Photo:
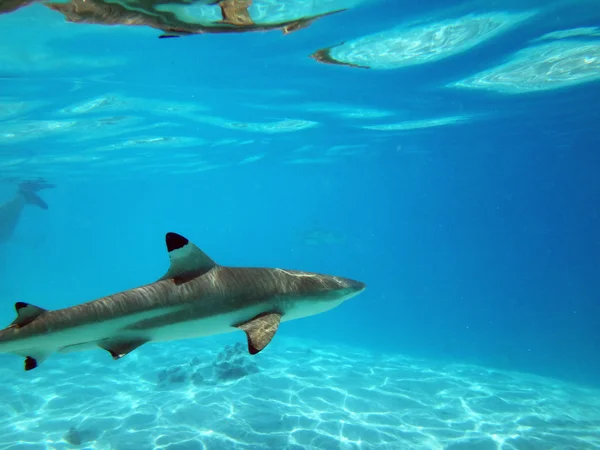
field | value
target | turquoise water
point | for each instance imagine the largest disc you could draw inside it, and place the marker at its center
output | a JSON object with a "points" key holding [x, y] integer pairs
{"points": [[444, 153]]}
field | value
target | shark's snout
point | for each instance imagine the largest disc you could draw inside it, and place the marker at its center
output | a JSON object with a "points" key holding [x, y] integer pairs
{"points": [[355, 286], [352, 287]]}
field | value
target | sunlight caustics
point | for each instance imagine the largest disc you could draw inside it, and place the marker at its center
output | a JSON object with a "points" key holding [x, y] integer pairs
{"points": [[119, 103], [573, 32], [12, 107], [419, 44], [280, 126], [17, 131], [418, 124], [311, 396], [346, 111], [121, 133], [157, 141], [103, 103], [337, 110], [544, 67]]}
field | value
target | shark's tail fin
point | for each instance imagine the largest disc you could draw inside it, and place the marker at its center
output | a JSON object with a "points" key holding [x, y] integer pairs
{"points": [[29, 189]]}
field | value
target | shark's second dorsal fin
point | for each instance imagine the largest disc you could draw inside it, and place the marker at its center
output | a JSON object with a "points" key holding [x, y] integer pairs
{"points": [[26, 314], [187, 260]]}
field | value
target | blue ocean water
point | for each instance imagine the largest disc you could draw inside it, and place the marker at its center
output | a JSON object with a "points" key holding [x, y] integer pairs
{"points": [[457, 177]]}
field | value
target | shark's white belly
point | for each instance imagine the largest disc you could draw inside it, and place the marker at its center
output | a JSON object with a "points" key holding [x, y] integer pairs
{"points": [[88, 336], [225, 323], [222, 323]]}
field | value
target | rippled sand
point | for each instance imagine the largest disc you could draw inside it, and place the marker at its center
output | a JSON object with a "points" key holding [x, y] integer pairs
{"points": [[305, 395]]}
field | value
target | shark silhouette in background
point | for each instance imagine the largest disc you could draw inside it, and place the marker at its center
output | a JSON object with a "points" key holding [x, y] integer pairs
{"points": [[10, 211], [318, 235]]}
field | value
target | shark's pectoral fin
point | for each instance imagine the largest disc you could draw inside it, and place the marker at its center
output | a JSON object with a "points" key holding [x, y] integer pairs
{"points": [[121, 347], [30, 363], [187, 260], [260, 330], [26, 314]]}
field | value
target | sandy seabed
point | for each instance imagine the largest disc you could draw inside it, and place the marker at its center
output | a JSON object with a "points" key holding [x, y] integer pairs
{"points": [[209, 394]]}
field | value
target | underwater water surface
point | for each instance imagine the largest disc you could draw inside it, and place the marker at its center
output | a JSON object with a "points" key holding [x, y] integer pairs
{"points": [[443, 153]]}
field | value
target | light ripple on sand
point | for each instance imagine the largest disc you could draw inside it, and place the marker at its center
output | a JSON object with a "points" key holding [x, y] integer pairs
{"points": [[303, 398]]}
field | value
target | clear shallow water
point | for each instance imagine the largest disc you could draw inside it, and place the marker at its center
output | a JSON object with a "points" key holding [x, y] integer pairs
{"points": [[457, 177]]}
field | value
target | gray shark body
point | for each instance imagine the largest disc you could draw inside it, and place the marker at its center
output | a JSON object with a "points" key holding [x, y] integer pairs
{"points": [[10, 213], [196, 297]]}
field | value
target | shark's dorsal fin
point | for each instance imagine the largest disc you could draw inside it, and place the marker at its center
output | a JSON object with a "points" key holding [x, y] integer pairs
{"points": [[26, 314], [187, 260], [260, 330]]}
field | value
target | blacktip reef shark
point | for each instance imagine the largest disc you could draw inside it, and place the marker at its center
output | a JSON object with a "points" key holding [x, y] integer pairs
{"points": [[10, 211], [196, 297]]}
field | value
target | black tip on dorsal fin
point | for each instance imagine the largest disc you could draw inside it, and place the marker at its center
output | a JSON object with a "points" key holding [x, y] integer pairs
{"points": [[30, 363], [26, 313], [187, 260], [175, 241]]}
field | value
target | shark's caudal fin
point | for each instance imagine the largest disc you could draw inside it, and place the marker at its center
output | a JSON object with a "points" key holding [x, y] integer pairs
{"points": [[187, 260], [33, 199], [27, 313], [29, 189], [260, 330]]}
